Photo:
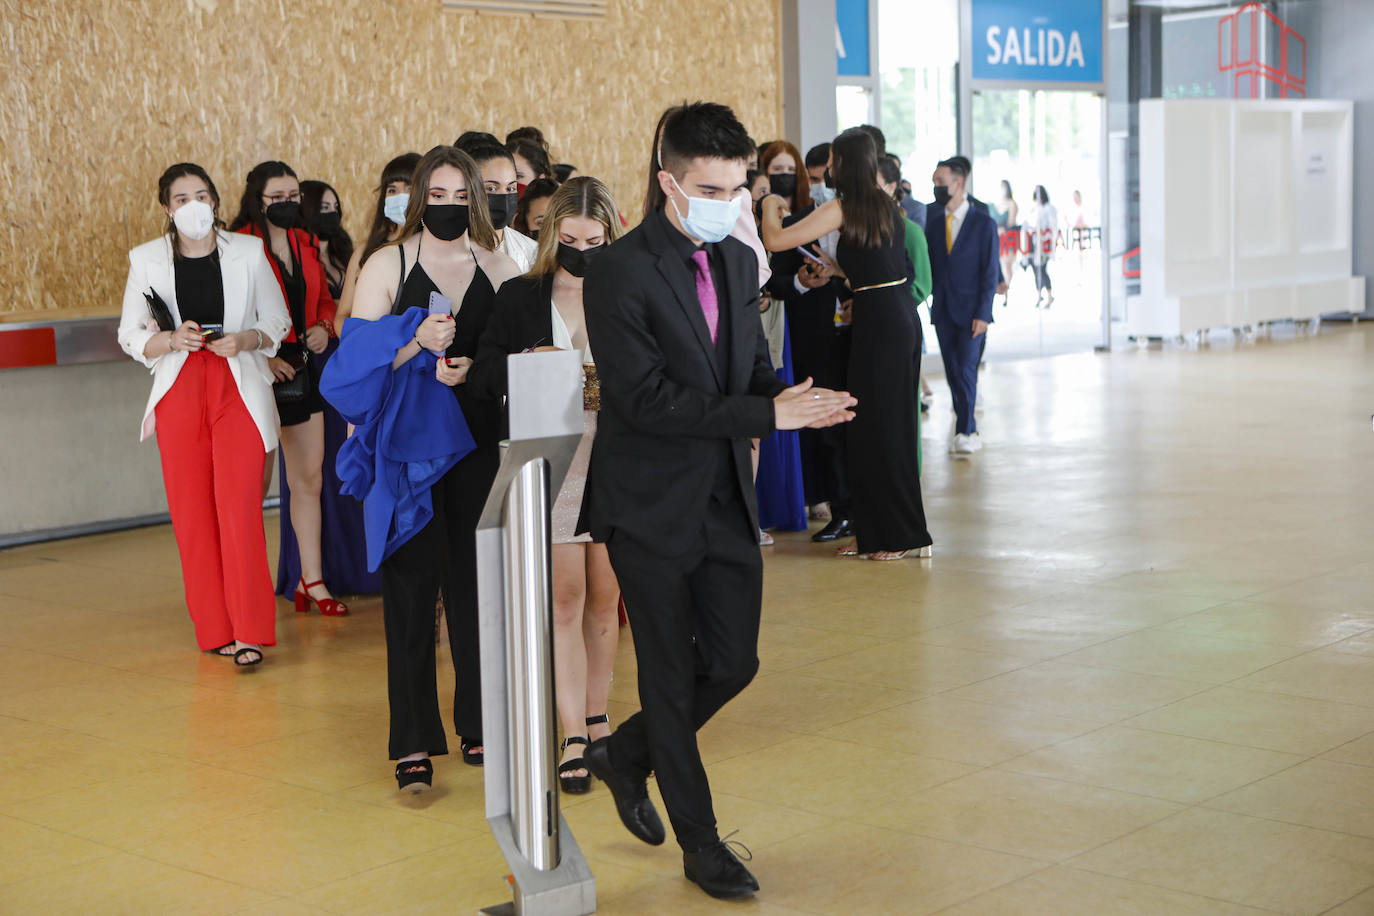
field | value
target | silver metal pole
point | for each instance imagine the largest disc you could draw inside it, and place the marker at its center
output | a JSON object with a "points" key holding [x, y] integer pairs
{"points": [[529, 622]]}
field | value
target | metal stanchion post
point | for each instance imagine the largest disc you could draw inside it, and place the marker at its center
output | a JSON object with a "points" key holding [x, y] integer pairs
{"points": [[549, 875]]}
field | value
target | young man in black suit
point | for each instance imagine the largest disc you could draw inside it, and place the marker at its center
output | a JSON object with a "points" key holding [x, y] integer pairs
{"points": [[672, 312]]}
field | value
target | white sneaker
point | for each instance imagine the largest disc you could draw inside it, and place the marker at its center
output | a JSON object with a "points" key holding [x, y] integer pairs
{"points": [[964, 446]]}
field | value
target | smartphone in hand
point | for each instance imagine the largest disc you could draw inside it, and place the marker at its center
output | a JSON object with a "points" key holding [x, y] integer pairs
{"points": [[209, 332], [439, 304]]}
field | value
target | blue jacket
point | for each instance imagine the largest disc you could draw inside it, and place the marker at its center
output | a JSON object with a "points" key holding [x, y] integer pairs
{"points": [[409, 429], [965, 279]]}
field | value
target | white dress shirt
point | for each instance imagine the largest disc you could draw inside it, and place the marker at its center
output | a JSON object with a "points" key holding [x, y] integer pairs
{"points": [[955, 224]]}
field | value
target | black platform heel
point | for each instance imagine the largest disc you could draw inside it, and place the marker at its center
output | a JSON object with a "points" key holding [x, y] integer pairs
{"points": [[414, 775], [574, 785]]}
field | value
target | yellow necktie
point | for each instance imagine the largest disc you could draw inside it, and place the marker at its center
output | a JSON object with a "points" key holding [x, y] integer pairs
{"points": [[949, 232]]}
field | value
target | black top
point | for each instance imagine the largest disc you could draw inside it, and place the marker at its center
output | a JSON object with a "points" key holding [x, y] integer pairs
{"points": [[293, 286], [872, 266], [200, 289], [482, 414], [521, 321]]}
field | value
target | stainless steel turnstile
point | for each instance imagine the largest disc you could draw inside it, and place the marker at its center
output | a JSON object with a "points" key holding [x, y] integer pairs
{"points": [[549, 876]]}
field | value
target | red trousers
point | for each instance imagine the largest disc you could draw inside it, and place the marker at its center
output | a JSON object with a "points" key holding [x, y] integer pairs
{"points": [[212, 461]]}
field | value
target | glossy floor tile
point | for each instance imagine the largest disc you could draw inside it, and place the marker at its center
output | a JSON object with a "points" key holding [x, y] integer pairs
{"points": [[1137, 678]]}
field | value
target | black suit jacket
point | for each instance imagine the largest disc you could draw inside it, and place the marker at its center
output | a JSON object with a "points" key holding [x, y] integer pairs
{"points": [[520, 320], [676, 417]]}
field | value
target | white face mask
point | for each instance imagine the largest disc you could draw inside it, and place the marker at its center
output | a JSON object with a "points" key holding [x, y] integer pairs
{"points": [[194, 219]]}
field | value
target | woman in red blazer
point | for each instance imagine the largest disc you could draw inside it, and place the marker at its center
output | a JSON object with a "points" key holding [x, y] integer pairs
{"points": [[271, 210]]}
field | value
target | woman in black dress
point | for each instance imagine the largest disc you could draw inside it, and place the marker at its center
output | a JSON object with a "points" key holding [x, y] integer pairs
{"points": [[446, 264], [885, 349]]}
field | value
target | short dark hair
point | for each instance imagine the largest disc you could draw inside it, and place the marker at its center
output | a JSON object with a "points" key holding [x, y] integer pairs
{"points": [[879, 140], [1041, 195], [468, 137], [702, 130], [482, 151], [562, 171], [964, 163], [818, 155], [956, 164], [888, 169]]}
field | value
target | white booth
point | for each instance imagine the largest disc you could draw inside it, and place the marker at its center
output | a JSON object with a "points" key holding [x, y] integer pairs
{"points": [[1245, 214]]}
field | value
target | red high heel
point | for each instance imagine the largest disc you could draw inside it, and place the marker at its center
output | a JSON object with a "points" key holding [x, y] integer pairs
{"points": [[329, 607]]}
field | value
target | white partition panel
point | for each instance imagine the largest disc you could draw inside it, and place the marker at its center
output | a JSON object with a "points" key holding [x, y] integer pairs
{"points": [[1246, 213]]}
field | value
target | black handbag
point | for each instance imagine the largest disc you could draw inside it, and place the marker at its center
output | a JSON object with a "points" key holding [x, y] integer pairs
{"points": [[297, 387]]}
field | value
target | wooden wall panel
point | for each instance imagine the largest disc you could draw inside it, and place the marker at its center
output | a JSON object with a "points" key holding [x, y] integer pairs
{"points": [[99, 96]]}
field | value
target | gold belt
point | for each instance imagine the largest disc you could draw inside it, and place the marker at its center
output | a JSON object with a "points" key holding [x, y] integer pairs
{"points": [[864, 289]]}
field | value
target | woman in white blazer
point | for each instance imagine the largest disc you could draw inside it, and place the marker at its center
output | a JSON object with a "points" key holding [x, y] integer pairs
{"points": [[211, 404]]}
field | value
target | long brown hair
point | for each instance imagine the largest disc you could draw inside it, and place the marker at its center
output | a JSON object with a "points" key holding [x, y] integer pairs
{"points": [[402, 168], [164, 196], [480, 229], [869, 214], [801, 198], [580, 196]]}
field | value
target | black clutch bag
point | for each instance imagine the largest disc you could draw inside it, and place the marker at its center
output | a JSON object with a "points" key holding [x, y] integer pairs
{"points": [[298, 386], [159, 310]]}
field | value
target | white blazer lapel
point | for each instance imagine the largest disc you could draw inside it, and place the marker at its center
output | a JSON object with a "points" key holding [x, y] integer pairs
{"points": [[237, 289], [162, 278]]}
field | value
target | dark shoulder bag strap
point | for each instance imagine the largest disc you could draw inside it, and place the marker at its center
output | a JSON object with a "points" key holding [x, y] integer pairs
{"points": [[400, 281]]}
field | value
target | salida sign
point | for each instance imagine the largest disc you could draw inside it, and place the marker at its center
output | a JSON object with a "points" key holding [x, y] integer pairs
{"points": [[1037, 40]]}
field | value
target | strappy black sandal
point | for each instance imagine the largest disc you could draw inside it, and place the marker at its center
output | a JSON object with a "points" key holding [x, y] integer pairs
{"points": [[574, 785], [603, 719], [248, 657], [414, 775], [471, 757], [225, 650]]}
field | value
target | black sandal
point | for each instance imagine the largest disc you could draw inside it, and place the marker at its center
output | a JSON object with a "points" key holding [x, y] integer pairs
{"points": [[225, 650], [470, 757], [244, 658], [574, 785], [414, 775], [603, 719]]}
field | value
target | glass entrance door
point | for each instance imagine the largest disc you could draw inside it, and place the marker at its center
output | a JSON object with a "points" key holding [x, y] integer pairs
{"points": [[1043, 145]]}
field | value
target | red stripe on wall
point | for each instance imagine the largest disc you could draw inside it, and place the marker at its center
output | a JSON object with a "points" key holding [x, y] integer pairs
{"points": [[27, 347]]}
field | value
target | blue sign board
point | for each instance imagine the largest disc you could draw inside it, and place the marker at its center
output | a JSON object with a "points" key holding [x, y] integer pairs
{"points": [[1040, 41], [851, 37]]}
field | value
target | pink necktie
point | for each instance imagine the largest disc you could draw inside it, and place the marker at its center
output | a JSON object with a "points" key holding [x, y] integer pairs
{"points": [[706, 292]]}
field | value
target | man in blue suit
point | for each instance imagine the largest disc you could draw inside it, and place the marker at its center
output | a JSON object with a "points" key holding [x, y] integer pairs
{"points": [[962, 238]]}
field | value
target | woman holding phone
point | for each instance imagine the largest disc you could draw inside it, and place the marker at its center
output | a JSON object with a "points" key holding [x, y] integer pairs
{"points": [[211, 404], [271, 210], [421, 305], [544, 310]]}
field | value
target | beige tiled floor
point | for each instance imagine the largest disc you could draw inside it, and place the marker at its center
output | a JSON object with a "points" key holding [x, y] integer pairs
{"points": [[1138, 678]]}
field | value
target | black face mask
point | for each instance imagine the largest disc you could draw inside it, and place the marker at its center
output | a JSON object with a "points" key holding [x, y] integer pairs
{"points": [[502, 208], [576, 260], [782, 185], [330, 222], [446, 222], [284, 213], [941, 194], [829, 182]]}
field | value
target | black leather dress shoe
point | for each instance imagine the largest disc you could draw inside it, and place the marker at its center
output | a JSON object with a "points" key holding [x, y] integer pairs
{"points": [[631, 795], [839, 527], [718, 872]]}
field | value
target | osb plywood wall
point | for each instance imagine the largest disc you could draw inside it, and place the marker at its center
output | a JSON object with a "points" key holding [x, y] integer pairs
{"points": [[101, 95]]}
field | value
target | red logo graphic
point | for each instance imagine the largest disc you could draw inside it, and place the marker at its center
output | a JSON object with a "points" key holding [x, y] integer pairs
{"points": [[1238, 49]]}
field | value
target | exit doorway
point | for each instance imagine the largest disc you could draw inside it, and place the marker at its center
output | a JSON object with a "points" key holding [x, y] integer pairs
{"points": [[1043, 147]]}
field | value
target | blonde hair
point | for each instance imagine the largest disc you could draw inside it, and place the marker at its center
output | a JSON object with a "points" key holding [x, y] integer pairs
{"points": [[480, 230], [580, 196]]}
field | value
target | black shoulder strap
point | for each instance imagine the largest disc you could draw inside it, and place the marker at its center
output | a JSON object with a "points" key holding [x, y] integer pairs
{"points": [[400, 281]]}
